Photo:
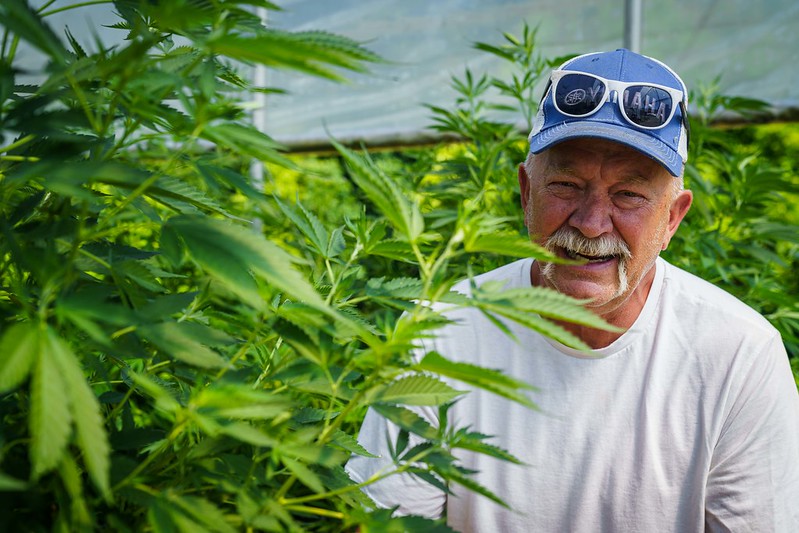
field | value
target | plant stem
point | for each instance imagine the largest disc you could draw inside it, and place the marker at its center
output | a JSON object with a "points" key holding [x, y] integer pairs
{"points": [[315, 511], [17, 143], [349, 488]]}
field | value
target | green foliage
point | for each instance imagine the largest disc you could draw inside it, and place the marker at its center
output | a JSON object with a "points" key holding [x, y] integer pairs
{"points": [[167, 367], [742, 232]]}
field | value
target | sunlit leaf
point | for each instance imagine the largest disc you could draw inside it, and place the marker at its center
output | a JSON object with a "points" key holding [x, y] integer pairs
{"points": [[484, 378], [416, 390], [19, 347], [311, 52], [384, 192], [506, 244], [89, 424], [50, 415], [246, 140]]}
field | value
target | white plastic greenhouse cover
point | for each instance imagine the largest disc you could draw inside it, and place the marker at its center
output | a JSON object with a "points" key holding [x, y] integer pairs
{"points": [[752, 46]]}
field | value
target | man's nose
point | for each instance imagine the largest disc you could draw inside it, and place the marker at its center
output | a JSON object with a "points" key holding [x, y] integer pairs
{"points": [[593, 217]]}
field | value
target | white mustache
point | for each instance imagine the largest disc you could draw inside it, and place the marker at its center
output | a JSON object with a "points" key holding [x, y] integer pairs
{"points": [[574, 241]]}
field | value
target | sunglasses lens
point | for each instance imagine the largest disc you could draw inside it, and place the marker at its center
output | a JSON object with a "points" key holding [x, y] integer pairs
{"points": [[646, 106], [578, 95]]}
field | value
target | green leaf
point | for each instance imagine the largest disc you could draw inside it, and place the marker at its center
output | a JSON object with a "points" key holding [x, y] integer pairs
{"points": [[336, 244], [476, 442], [175, 339], [50, 416], [164, 400], [230, 252], [245, 432], [20, 19], [202, 512], [246, 140], [89, 424], [472, 485], [393, 249], [161, 517], [415, 390], [384, 192], [484, 378], [11, 484], [528, 305], [308, 224], [381, 521], [304, 474], [350, 443], [407, 419], [310, 52], [506, 244], [234, 401], [71, 477], [19, 349]]}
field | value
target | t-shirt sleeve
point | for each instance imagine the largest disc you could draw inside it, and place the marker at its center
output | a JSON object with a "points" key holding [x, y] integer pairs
{"points": [[408, 493], [753, 483]]}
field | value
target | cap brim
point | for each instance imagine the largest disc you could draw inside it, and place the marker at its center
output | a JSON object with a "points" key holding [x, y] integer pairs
{"points": [[638, 140]]}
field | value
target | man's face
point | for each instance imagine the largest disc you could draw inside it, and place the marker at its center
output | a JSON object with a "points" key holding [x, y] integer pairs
{"points": [[599, 200]]}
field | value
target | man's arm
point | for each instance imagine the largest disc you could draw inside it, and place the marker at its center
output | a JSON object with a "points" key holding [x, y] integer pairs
{"points": [[753, 484], [410, 494]]}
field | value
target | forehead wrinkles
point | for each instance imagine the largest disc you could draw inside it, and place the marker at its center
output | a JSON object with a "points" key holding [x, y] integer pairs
{"points": [[628, 166]]}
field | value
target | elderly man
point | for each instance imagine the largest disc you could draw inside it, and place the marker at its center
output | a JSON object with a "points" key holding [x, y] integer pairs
{"points": [[685, 420]]}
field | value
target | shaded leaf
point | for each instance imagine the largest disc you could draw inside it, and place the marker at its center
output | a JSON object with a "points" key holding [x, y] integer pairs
{"points": [[202, 512], [407, 419], [350, 443], [20, 19], [304, 474], [176, 341], [11, 484], [230, 252]]}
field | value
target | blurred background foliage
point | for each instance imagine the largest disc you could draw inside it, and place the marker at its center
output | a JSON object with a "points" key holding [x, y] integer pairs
{"points": [[742, 232], [182, 351]]}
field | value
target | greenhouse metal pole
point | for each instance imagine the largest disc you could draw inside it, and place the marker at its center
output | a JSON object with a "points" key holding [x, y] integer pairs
{"points": [[259, 120], [632, 25]]}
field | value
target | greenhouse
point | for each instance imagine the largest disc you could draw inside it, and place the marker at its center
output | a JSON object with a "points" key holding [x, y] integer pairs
{"points": [[299, 265]]}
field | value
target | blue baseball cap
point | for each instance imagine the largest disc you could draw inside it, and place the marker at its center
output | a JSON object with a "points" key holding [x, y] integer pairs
{"points": [[620, 96]]}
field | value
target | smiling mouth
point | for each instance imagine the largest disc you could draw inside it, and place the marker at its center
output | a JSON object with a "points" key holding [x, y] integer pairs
{"points": [[590, 258]]}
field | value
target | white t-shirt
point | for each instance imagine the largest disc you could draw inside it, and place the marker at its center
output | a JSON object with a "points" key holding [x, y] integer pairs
{"points": [[690, 420]]}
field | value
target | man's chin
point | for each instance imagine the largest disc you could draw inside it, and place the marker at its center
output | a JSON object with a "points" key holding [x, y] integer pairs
{"points": [[584, 284]]}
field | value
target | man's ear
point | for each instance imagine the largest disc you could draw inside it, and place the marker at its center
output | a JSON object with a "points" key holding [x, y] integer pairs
{"points": [[677, 211], [524, 186]]}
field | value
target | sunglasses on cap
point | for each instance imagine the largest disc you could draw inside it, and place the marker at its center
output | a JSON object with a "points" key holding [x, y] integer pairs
{"points": [[644, 105]]}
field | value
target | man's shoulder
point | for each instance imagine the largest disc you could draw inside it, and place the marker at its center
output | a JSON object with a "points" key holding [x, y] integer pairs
{"points": [[700, 299]]}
